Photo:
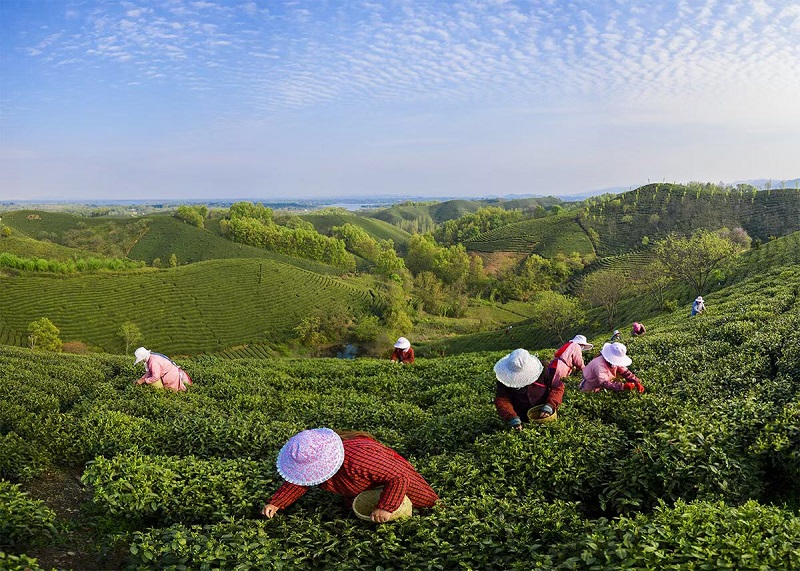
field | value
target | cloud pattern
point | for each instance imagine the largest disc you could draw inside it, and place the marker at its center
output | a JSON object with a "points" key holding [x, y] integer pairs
{"points": [[272, 57]]}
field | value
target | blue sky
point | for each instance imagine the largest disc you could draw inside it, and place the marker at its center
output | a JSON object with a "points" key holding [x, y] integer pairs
{"points": [[270, 99]]}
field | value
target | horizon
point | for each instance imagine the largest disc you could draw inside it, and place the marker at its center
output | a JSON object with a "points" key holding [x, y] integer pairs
{"points": [[199, 100]]}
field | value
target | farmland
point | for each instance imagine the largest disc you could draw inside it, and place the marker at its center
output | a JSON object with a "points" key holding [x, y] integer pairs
{"points": [[699, 472]]}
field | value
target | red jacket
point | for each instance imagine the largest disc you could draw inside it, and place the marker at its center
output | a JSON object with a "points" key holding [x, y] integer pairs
{"points": [[369, 464], [403, 355], [511, 403]]}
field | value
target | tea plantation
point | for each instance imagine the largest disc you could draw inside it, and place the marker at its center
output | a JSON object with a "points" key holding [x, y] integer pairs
{"points": [[699, 472]]}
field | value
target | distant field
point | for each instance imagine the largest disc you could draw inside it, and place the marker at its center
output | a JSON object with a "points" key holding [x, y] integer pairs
{"points": [[543, 236], [203, 307]]}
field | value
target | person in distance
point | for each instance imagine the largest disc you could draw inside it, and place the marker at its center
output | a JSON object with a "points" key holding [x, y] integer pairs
{"points": [[699, 306], [568, 358], [160, 371], [616, 336], [612, 363], [638, 329], [403, 352], [523, 383], [347, 463]]}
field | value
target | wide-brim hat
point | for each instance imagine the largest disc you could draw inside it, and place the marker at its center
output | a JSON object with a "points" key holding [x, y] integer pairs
{"points": [[310, 457], [699, 298], [141, 354], [402, 343], [616, 354], [581, 340], [518, 369]]}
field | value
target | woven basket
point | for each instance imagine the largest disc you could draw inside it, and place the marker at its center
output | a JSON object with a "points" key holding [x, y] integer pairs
{"points": [[533, 415], [366, 501]]}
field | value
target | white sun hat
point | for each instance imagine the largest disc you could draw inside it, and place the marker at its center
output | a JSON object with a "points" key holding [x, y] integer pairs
{"points": [[142, 354], [518, 369], [402, 343], [616, 354], [581, 340], [699, 298]]}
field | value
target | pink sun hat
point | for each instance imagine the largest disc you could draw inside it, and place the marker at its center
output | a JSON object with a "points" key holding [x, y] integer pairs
{"points": [[616, 354], [310, 457]]}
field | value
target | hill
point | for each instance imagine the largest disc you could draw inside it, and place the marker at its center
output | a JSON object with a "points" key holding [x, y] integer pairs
{"points": [[699, 471], [26, 247], [619, 224], [204, 307], [543, 236], [166, 235], [375, 227]]}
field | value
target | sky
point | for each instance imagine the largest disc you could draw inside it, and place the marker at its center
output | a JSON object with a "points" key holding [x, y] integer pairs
{"points": [[203, 99]]}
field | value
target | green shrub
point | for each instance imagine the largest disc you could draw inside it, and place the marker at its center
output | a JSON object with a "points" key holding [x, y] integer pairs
{"points": [[23, 520]]}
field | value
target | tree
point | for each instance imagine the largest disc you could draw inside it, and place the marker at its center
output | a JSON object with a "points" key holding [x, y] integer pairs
{"points": [[130, 334], [557, 313], [43, 334], [173, 260], [6, 231], [653, 279], [695, 260], [605, 288]]}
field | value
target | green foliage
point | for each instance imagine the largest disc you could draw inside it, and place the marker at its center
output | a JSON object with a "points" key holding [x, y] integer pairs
{"points": [[9, 562], [605, 288], [543, 236], [130, 334], [472, 225], [66, 267], [23, 520], [192, 215], [694, 260], [558, 314], [6, 231], [43, 334]]}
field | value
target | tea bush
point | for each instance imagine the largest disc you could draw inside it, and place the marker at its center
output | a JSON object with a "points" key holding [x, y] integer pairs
{"points": [[23, 519]]}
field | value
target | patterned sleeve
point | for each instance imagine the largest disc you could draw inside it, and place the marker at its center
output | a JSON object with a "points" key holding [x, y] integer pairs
{"points": [[627, 375], [287, 494]]}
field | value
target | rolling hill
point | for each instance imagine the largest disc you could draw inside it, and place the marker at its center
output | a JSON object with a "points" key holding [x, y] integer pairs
{"points": [[375, 227], [203, 307]]}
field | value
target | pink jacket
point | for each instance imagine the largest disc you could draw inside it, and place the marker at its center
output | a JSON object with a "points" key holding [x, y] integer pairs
{"points": [[161, 368], [600, 374], [571, 358]]}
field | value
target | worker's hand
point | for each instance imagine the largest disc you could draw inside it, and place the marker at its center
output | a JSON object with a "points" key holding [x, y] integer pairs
{"points": [[517, 428], [516, 423], [380, 516], [628, 386], [269, 510], [640, 387], [140, 381], [546, 411]]}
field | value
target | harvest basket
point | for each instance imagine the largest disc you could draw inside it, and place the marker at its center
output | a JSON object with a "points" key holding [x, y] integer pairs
{"points": [[366, 501], [533, 415]]}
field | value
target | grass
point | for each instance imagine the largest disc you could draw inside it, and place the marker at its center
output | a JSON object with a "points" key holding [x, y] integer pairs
{"points": [[378, 229], [26, 247]]}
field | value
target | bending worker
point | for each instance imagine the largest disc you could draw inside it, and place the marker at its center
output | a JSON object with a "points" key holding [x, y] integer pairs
{"points": [[347, 463], [568, 358], [403, 351], [612, 363], [161, 369], [522, 383]]}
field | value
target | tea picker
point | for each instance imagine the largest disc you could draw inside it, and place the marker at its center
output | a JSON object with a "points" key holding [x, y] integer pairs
{"points": [[161, 371], [603, 371], [523, 384], [349, 463]]}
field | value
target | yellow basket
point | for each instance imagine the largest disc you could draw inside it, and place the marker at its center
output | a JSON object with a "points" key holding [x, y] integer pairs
{"points": [[533, 415], [366, 501]]}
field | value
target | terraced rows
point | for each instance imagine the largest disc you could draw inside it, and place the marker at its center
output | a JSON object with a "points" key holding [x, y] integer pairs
{"points": [[543, 236], [204, 307]]}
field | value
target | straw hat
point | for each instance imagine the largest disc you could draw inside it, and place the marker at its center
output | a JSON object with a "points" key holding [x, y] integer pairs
{"points": [[365, 503], [581, 340], [699, 298], [402, 343], [141, 354], [310, 457], [616, 354], [518, 369]]}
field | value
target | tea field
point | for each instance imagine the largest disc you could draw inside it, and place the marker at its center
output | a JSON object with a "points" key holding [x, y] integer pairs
{"points": [[699, 472]]}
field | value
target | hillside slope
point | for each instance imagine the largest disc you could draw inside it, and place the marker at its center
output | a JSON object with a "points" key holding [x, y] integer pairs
{"points": [[204, 307], [375, 227]]}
